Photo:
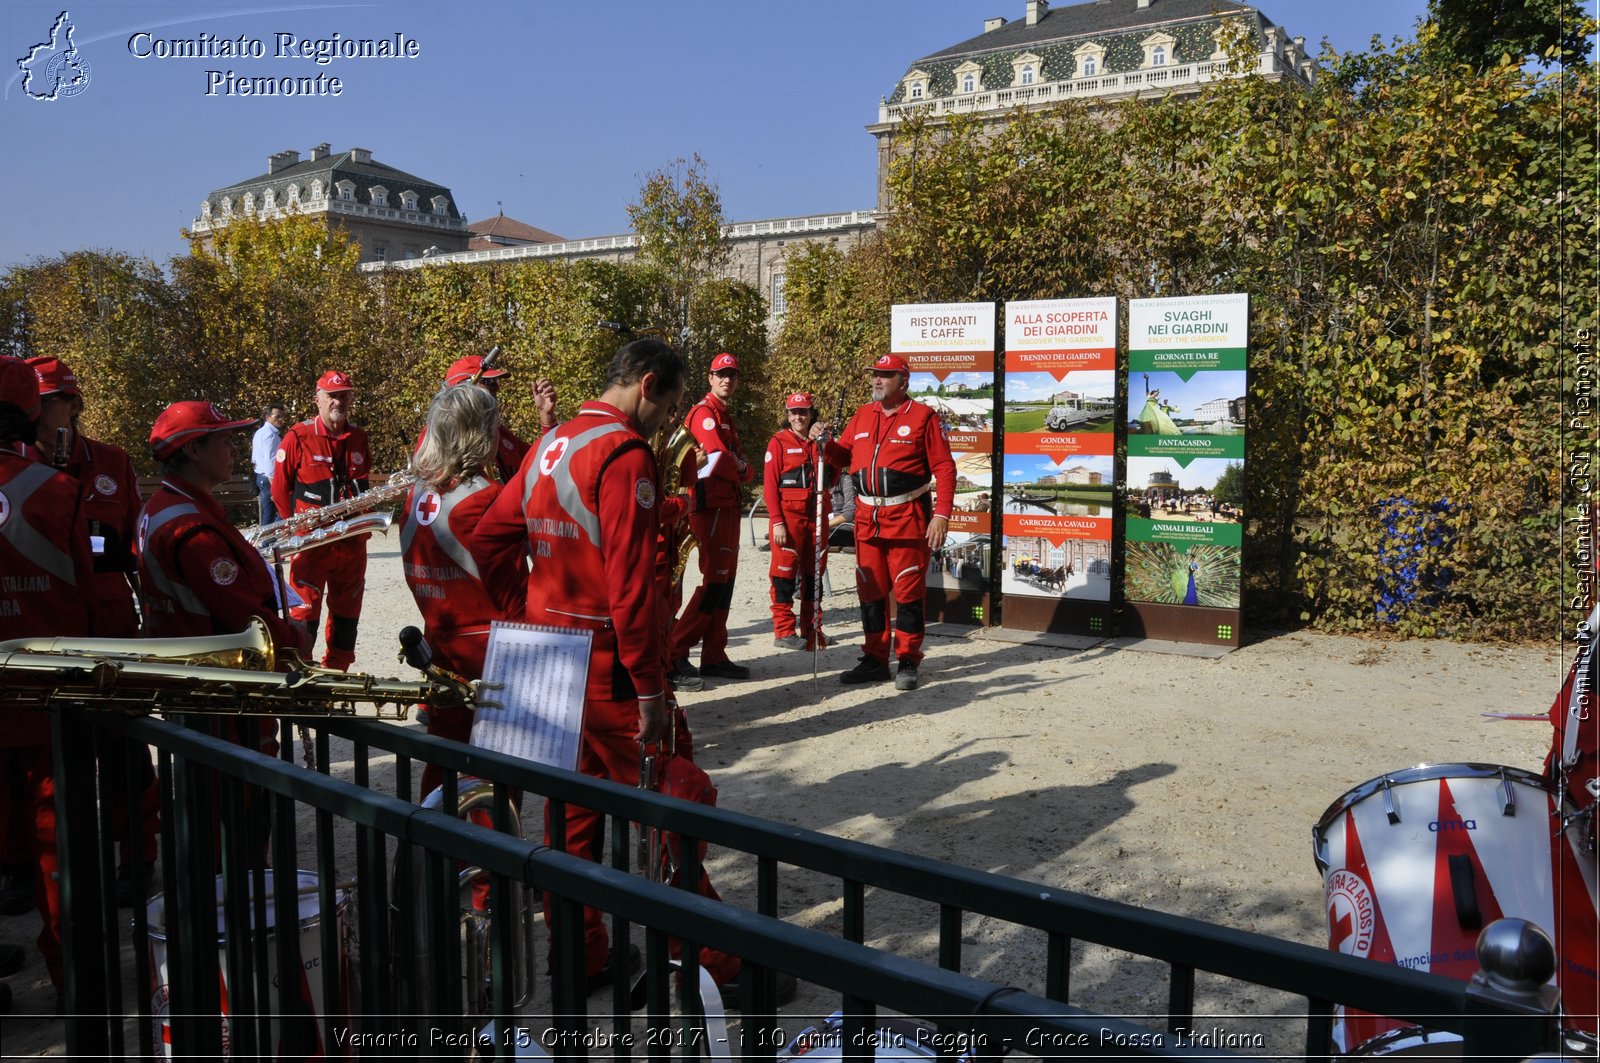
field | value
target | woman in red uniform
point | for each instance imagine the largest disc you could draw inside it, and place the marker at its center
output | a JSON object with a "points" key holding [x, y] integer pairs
{"points": [[790, 490], [452, 492]]}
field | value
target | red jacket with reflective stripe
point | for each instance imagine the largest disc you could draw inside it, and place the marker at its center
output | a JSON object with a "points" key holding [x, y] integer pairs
{"points": [[197, 573], [44, 571], [435, 546], [110, 506], [717, 483], [791, 467], [317, 466], [890, 449], [585, 503]]}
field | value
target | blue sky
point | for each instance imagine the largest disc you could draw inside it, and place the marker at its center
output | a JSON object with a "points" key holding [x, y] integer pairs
{"points": [[553, 109], [1187, 395], [1038, 387]]}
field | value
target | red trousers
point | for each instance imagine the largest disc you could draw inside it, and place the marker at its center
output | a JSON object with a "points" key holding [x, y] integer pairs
{"points": [[611, 751], [339, 573], [793, 570], [900, 566], [36, 812], [704, 622]]}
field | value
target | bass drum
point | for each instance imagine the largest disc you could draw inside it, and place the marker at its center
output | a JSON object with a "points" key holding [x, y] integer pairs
{"points": [[1415, 863], [474, 802]]}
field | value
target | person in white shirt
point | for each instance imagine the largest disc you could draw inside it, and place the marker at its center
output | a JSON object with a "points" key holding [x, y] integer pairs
{"points": [[263, 449]]}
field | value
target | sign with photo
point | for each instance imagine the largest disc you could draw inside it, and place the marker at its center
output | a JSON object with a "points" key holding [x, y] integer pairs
{"points": [[1059, 467], [1185, 418], [950, 348]]}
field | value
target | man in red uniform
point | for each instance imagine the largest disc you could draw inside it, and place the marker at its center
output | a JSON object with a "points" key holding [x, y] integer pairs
{"points": [[790, 490], [452, 492], [510, 449], [585, 505], [110, 506], [321, 461], [899, 452], [46, 591], [715, 523]]}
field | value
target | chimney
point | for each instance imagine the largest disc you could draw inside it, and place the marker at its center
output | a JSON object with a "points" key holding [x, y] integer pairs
{"points": [[990, 24], [1036, 11], [321, 151], [360, 155], [282, 160]]}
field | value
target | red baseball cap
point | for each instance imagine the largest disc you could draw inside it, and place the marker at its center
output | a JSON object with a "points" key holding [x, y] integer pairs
{"points": [[462, 369], [799, 401], [333, 380], [724, 361], [183, 421], [19, 385], [890, 363], [54, 376]]}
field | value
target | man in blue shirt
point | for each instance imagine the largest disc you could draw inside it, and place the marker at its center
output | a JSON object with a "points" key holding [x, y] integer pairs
{"points": [[263, 449]]}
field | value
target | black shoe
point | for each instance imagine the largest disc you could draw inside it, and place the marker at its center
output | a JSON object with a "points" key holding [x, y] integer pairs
{"points": [[687, 684], [16, 892], [684, 667], [12, 959], [602, 978], [867, 670], [787, 986], [724, 670], [906, 677]]}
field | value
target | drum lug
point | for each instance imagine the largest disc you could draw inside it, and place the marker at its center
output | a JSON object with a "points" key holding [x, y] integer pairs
{"points": [[1508, 799], [1390, 809]]}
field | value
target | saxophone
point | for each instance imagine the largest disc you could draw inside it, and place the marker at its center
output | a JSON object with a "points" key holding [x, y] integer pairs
{"points": [[673, 457], [361, 515], [226, 674]]}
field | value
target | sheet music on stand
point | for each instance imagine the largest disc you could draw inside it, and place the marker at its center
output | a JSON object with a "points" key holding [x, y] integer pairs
{"points": [[536, 713]]}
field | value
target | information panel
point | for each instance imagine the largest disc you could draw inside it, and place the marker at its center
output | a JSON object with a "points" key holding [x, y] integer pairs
{"points": [[1059, 464], [950, 348], [1186, 424]]}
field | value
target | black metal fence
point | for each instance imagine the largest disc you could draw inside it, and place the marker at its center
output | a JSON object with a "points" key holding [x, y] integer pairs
{"points": [[391, 969]]}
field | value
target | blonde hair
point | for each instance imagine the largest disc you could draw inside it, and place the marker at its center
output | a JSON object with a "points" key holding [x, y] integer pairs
{"points": [[463, 430]]}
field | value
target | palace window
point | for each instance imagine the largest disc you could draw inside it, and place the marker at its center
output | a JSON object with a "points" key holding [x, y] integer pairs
{"points": [[1025, 69], [969, 83], [1091, 59], [379, 195], [1027, 75], [249, 202], [1158, 49], [969, 76], [316, 191], [916, 90], [347, 191], [441, 205], [408, 200], [269, 200], [294, 195], [778, 305]]}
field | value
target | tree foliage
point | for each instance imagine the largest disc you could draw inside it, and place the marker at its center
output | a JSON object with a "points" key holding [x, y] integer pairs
{"points": [[1482, 33]]}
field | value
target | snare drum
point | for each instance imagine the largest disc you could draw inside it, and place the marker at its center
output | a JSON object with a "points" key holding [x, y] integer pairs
{"points": [[1415, 863], [310, 933]]}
